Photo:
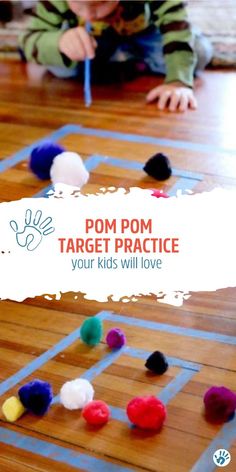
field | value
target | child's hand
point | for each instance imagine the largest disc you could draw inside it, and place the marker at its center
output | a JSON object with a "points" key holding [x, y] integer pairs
{"points": [[77, 44], [174, 96]]}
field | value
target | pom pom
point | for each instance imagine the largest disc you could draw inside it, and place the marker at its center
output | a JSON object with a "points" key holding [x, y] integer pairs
{"points": [[115, 338], [157, 363], [76, 394], [220, 404], [68, 168], [91, 331], [159, 194], [36, 396], [13, 409], [42, 157], [158, 166], [96, 413], [146, 412]]}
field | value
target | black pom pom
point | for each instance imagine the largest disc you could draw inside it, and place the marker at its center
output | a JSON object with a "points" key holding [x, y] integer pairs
{"points": [[158, 166], [157, 363]]}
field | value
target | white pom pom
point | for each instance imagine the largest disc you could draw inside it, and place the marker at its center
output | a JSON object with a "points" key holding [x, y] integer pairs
{"points": [[68, 168], [76, 394]]}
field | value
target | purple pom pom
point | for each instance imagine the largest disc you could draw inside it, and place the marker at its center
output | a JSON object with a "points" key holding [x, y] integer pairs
{"points": [[42, 157], [36, 396], [220, 404], [115, 338]]}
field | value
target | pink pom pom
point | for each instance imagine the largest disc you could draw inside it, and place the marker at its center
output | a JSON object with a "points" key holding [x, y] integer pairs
{"points": [[159, 194], [115, 338], [220, 404]]}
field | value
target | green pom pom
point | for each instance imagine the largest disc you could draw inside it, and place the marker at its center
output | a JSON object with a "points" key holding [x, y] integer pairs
{"points": [[91, 331]]}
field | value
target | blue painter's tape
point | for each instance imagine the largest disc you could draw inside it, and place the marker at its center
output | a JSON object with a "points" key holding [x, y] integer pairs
{"points": [[166, 394], [182, 184], [24, 153], [44, 192], [39, 361], [98, 368], [76, 129], [194, 333], [101, 315], [172, 361], [185, 183], [58, 453], [68, 129], [175, 386], [135, 165], [103, 364], [223, 440], [187, 174], [124, 164], [135, 138], [118, 414], [93, 161]]}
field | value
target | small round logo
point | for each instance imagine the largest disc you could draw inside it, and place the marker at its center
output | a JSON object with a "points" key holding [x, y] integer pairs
{"points": [[221, 457]]}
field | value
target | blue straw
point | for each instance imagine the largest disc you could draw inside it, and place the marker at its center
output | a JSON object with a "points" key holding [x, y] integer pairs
{"points": [[87, 78]]}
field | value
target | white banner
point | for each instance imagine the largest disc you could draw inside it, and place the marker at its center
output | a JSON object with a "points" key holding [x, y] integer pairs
{"points": [[117, 244]]}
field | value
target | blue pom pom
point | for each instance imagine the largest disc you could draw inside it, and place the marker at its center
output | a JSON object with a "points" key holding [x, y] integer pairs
{"points": [[36, 396], [42, 157]]}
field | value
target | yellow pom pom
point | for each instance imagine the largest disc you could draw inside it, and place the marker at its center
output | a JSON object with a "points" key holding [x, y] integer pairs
{"points": [[13, 409]]}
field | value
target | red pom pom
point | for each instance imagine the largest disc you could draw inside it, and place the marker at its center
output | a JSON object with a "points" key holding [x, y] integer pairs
{"points": [[96, 413], [146, 412]]}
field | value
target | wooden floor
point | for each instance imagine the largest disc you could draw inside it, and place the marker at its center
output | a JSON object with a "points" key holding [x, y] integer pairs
{"points": [[30, 109]]}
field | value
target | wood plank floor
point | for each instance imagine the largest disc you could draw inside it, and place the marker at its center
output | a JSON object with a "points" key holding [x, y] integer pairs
{"points": [[30, 109]]}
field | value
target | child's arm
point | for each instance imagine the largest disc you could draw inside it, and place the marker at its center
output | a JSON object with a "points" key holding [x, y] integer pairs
{"points": [[45, 41], [171, 17]]}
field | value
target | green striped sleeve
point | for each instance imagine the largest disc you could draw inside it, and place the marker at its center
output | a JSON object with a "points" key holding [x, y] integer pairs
{"points": [[164, 6], [184, 36], [178, 41], [172, 16], [180, 67], [40, 41]]}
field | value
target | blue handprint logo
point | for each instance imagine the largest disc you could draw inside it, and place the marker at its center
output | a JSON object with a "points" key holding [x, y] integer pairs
{"points": [[221, 457], [35, 227]]}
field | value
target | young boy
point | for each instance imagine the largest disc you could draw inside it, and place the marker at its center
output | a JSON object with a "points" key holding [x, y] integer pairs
{"points": [[154, 32]]}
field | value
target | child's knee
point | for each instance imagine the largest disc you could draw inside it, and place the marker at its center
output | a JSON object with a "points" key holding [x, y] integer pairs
{"points": [[204, 51], [63, 72]]}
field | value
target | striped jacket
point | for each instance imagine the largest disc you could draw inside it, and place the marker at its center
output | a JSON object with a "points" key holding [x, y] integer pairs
{"points": [[40, 41]]}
